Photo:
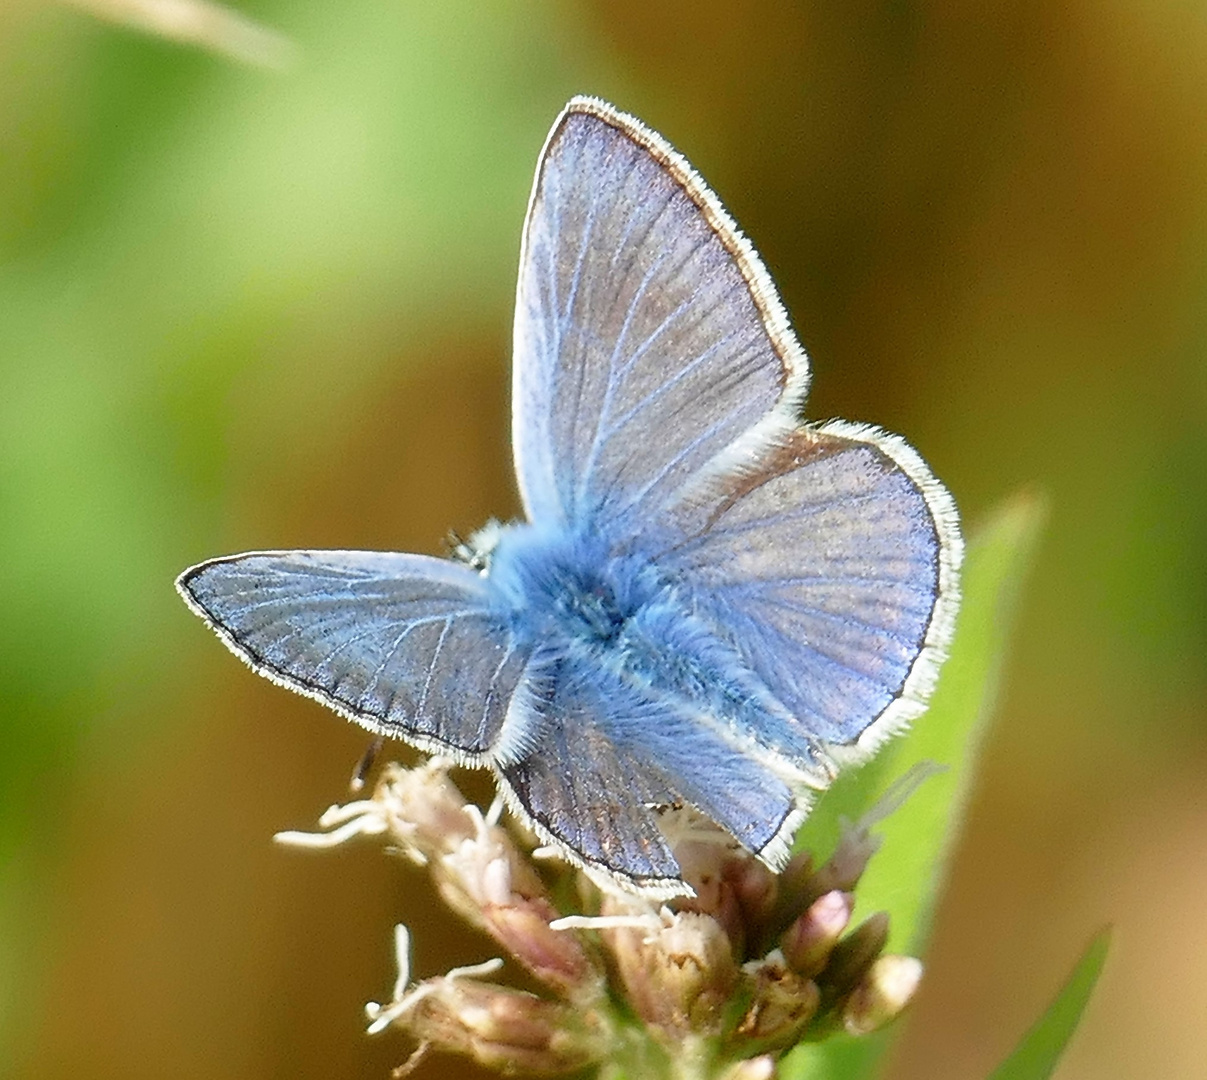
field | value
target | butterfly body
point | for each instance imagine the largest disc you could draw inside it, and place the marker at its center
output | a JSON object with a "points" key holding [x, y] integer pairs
{"points": [[575, 603], [711, 603], [567, 586]]}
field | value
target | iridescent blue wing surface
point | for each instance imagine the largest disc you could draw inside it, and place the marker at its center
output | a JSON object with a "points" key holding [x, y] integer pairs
{"points": [[600, 757], [405, 645], [828, 557], [648, 336]]}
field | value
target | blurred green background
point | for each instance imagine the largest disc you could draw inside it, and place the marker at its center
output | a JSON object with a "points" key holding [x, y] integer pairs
{"points": [[247, 309]]}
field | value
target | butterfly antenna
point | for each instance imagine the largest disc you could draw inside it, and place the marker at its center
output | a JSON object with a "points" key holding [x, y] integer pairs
{"points": [[366, 763]]}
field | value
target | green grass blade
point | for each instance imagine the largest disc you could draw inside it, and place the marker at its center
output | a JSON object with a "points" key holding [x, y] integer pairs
{"points": [[1036, 1056], [908, 872]]}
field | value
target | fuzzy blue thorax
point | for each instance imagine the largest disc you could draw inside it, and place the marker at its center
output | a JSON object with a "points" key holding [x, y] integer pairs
{"points": [[565, 594], [565, 590]]}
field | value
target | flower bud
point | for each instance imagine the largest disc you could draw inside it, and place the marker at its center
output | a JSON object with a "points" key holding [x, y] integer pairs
{"points": [[557, 957], [702, 866], [756, 1068], [679, 976], [846, 865], [492, 885], [426, 813], [853, 956], [728, 882], [502, 1028], [793, 894], [888, 986], [757, 892], [782, 1004], [796, 873], [808, 942]]}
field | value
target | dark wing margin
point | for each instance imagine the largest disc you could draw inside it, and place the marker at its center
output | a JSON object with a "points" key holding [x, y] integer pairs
{"points": [[405, 645], [830, 557], [648, 335]]}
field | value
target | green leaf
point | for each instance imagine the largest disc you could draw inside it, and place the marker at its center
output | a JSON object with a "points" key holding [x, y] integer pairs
{"points": [[907, 874], [1036, 1056]]}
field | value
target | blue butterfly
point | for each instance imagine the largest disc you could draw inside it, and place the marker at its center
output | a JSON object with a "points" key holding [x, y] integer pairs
{"points": [[712, 604]]}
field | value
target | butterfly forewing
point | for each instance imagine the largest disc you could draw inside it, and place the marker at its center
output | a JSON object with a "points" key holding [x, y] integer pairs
{"points": [[647, 335], [405, 644]]}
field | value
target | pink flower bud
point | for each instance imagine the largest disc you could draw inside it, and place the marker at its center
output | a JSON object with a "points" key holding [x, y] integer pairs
{"points": [[502, 1028], [808, 942]]}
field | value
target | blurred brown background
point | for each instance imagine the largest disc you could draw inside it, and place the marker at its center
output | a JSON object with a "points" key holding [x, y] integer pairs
{"points": [[245, 309]]}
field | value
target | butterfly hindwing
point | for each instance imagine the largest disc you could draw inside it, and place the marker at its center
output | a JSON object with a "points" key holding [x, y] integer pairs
{"points": [[603, 756], [406, 645], [829, 560]]}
